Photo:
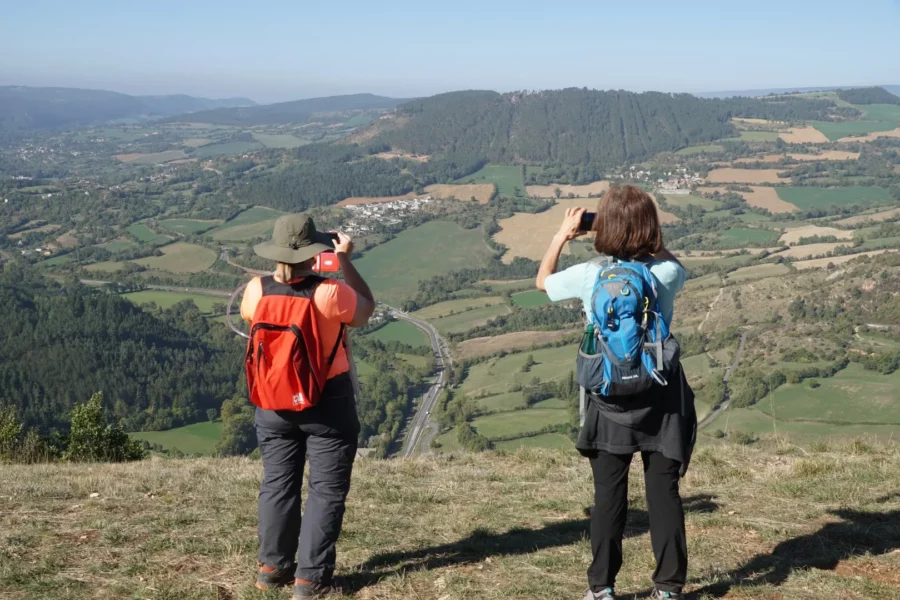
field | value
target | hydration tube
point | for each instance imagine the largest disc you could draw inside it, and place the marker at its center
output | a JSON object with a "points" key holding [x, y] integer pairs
{"points": [[347, 346]]}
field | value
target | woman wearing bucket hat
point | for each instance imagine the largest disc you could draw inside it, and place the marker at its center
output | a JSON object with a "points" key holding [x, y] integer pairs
{"points": [[319, 421]]}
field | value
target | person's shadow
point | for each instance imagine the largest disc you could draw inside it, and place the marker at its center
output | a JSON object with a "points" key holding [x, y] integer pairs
{"points": [[859, 533], [481, 544]]}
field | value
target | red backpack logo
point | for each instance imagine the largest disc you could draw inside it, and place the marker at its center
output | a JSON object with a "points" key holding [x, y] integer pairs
{"points": [[286, 369]]}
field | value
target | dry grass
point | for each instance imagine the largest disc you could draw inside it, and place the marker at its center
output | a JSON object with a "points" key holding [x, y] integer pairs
{"points": [[511, 342], [67, 240], [196, 142], [528, 235], [795, 234], [885, 215], [769, 520], [810, 250], [580, 191], [821, 263], [827, 155], [803, 135], [729, 175], [761, 196], [396, 154], [482, 192], [871, 137]]}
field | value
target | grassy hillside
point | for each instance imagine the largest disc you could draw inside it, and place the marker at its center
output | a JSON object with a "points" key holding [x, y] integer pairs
{"points": [[769, 520]]}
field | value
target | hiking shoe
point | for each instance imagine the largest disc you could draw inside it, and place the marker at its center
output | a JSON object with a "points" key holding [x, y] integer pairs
{"points": [[310, 589], [658, 595], [270, 578], [606, 594]]}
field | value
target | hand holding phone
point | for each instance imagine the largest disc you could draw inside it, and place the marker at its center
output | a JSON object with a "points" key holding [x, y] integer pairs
{"points": [[587, 222]]}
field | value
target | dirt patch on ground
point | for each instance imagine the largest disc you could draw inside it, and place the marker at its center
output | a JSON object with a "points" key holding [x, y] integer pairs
{"points": [[810, 250], [722, 253], [392, 154], [820, 263], [885, 215], [480, 191], [761, 196], [828, 155], [42, 229], [767, 197], [803, 135], [67, 240], [894, 133], [196, 142], [529, 235], [596, 188], [729, 175], [128, 157], [520, 340], [794, 234]]}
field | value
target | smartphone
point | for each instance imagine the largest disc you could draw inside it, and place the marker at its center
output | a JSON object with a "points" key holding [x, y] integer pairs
{"points": [[587, 221], [327, 262], [334, 237]]}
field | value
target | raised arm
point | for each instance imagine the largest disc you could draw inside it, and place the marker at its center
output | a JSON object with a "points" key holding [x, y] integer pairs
{"points": [[567, 231], [365, 301]]}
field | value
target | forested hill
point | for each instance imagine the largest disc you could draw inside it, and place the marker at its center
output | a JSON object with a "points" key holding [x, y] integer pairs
{"points": [[61, 344], [870, 95], [574, 126], [297, 111], [23, 108]]}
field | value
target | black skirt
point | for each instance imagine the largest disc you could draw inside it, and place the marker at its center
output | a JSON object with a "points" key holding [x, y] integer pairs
{"points": [[662, 419]]}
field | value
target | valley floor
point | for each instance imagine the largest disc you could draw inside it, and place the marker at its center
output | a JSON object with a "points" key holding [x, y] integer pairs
{"points": [[765, 521]]}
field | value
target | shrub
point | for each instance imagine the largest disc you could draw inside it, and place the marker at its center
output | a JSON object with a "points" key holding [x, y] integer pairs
{"points": [[92, 439]]}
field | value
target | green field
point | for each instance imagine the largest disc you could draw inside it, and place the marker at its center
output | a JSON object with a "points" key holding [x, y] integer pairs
{"points": [[740, 237], [254, 222], [466, 320], [358, 121], [530, 299], [502, 402], [145, 235], [498, 375], [58, 260], [118, 245], [199, 438], [877, 117], [521, 284], [683, 200], [181, 257], [163, 299], [757, 272], [106, 266], [452, 307], [394, 269], [752, 420], [702, 149], [507, 179], [270, 140], [814, 197], [187, 226], [401, 331], [519, 421], [213, 150]]}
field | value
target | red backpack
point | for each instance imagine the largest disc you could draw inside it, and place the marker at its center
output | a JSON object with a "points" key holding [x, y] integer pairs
{"points": [[286, 369]]}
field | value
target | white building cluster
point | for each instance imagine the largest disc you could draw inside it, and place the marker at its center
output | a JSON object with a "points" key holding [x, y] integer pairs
{"points": [[365, 216]]}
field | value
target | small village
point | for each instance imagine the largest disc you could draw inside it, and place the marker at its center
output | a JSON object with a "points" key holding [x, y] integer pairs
{"points": [[366, 216]]}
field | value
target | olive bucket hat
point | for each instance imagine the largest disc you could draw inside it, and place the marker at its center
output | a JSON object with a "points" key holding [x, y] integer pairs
{"points": [[294, 240]]}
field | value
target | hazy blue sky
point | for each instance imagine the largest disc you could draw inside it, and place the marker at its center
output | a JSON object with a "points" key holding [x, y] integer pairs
{"points": [[281, 50]]}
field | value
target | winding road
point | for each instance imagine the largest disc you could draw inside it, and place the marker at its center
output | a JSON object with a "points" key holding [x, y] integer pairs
{"points": [[725, 400]]}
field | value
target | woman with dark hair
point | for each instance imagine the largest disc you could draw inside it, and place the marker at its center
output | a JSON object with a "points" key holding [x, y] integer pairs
{"points": [[660, 422], [292, 309]]}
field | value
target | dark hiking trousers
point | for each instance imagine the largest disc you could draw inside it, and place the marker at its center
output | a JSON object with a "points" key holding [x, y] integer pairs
{"points": [[666, 519], [326, 434]]}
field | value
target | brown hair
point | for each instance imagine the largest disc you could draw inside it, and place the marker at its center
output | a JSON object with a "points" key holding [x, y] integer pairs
{"points": [[627, 224]]}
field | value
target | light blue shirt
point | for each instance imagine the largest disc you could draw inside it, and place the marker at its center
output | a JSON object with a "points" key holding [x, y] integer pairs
{"points": [[578, 282]]}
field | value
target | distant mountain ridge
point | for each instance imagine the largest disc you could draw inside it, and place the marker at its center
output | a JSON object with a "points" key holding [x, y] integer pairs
{"points": [[23, 108], [295, 110], [894, 89]]}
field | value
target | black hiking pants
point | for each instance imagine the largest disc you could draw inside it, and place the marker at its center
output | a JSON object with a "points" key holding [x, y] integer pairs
{"points": [[326, 434], [666, 519]]}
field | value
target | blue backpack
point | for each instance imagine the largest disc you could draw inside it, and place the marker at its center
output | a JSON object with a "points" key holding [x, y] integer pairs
{"points": [[627, 347]]}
